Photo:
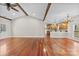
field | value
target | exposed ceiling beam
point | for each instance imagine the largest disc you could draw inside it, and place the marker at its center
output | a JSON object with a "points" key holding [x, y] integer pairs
{"points": [[47, 9], [22, 9], [5, 18]]}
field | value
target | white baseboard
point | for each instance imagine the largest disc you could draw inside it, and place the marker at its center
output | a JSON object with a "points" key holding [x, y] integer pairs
{"points": [[22, 37], [58, 37], [5, 37], [76, 38], [30, 36]]}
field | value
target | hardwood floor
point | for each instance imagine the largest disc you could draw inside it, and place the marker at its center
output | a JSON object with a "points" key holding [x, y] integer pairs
{"points": [[38, 47]]}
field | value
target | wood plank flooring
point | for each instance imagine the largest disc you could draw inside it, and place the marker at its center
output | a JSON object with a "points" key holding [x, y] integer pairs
{"points": [[38, 47]]}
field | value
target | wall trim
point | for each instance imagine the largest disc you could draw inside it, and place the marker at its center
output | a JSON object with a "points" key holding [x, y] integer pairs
{"points": [[5, 37], [22, 37], [29, 36]]}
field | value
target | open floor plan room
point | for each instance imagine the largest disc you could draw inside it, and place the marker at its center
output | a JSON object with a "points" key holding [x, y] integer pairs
{"points": [[39, 29]]}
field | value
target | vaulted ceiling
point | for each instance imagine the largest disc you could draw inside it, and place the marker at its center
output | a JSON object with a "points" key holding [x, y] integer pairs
{"points": [[56, 12], [59, 11], [33, 9]]}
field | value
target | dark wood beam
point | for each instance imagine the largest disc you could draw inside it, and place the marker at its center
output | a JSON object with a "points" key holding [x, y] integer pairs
{"points": [[5, 18], [22, 9], [47, 9]]}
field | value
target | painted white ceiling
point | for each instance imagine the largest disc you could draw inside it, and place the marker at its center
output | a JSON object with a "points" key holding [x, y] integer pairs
{"points": [[57, 11], [10, 14], [33, 9]]}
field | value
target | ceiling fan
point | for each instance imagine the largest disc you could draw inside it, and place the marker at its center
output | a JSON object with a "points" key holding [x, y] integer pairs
{"points": [[10, 6]]}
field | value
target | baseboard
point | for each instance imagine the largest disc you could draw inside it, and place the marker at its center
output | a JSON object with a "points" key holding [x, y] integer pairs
{"points": [[21, 37], [76, 39], [5, 37], [30, 36], [58, 37]]}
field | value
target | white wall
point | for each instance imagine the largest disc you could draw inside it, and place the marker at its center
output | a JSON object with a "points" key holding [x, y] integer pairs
{"points": [[28, 26], [59, 34], [6, 33]]}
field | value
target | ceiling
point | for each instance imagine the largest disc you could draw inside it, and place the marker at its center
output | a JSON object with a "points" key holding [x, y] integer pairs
{"points": [[59, 11], [33, 9], [56, 13]]}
